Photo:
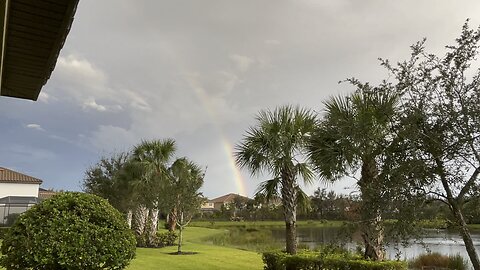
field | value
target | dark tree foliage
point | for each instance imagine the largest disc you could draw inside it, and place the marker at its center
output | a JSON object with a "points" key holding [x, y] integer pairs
{"points": [[436, 153], [105, 179], [352, 138]]}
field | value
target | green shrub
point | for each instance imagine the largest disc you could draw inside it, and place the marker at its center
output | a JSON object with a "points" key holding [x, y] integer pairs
{"points": [[166, 239], [69, 231], [325, 261], [162, 239], [438, 260], [3, 231]]}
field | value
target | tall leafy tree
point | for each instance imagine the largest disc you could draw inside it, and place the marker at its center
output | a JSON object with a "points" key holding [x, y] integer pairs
{"points": [[351, 138], [105, 180], [276, 145], [438, 142], [181, 193]]}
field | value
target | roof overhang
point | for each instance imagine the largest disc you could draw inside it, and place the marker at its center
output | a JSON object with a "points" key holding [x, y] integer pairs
{"points": [[32, 34]]}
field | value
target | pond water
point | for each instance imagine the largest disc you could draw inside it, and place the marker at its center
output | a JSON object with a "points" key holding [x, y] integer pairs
{"points": [[441, 241]]}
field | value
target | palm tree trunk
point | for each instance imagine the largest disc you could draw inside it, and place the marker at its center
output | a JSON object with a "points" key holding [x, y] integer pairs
{"points": [[152, 226], [129, 218], [141, 215], [289, 200], [373, 235], [172, 220], [372, 228]]}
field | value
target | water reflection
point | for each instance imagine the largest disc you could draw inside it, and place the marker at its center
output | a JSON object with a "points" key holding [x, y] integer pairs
{"points": [[441, 241]]}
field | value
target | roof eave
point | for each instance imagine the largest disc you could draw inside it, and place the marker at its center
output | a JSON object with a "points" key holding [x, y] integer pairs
{"points": [[36, 63]]}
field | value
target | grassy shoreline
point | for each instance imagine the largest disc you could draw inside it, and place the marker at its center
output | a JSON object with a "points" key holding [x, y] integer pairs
{"points": [[268, 223]]}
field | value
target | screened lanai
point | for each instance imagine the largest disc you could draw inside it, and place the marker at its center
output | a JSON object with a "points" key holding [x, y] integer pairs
{"points": [[12, 206]]}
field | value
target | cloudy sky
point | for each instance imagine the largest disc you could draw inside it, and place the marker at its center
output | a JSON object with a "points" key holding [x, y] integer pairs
{"points": [[198, 71]]}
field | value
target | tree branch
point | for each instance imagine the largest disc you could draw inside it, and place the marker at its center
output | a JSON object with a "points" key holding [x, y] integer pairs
{"points": [[469, 183]]}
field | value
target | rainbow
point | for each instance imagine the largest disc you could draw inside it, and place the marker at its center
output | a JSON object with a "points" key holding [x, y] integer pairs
{"points": [[227, 146]]}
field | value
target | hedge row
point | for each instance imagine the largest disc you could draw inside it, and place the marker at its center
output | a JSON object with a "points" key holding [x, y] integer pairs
{"points": [[310, 260]]}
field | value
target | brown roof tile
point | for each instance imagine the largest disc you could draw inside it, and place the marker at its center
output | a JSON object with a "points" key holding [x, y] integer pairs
{"points": [[226, 198], [9, 176]]}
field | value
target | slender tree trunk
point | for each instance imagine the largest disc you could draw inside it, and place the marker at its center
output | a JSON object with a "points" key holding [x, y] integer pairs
{"points": [[456, 209], [172, 220], [180, 235], [129, 218], [467, 239], [465, 233], [372, 229], [289, 200]]}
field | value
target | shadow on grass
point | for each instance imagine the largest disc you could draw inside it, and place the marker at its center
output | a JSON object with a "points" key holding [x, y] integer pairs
{"points": [[183, 253]]}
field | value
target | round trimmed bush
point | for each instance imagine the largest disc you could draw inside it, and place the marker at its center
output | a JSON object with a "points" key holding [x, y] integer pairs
{"points": [[69, 231]]}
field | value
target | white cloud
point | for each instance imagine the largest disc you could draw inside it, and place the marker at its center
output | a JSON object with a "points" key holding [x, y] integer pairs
{"points": [[79, 80], [44, 97], [92, 104], [242, 63], [79, 70], [35, 126]]}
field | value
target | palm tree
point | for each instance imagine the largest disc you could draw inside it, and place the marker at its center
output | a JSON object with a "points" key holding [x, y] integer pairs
{"points": [[152, 158], [353, 136], [276, 146]]}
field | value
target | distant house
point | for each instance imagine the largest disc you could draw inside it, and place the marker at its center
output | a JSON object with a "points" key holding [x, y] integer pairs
{"points": [[18, 192], [225, 200], [45, 193]]}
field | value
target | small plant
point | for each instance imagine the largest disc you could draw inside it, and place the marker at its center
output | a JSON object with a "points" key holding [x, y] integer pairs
{"points": [[69, 231], [166, 239], [438, 260], [161, 239]]}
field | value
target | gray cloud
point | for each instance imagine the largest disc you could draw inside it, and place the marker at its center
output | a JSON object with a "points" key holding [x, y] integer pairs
{"points": [[199, 71]]}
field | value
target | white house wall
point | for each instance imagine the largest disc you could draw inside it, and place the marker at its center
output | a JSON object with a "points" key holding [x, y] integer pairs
{"points": [[16, 189]]}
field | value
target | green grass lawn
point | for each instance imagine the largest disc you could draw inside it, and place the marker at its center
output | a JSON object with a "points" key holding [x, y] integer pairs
{"points": [[208, 257]]}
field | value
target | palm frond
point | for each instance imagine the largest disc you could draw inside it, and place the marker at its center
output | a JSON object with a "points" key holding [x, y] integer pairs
{"points": [[303, 201], [269, 189]]}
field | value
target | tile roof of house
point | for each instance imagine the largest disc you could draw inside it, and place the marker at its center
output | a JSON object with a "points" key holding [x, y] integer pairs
{"points": [[227, 198], [9, 176]]}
